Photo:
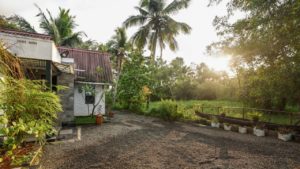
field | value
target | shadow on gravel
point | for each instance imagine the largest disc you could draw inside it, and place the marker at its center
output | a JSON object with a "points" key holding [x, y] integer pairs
{"points": [[153, 145]]}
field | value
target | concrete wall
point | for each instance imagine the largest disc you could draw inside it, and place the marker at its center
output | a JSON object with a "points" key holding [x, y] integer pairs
{"points": [[30, 47], [80, 108], [67, 97]]}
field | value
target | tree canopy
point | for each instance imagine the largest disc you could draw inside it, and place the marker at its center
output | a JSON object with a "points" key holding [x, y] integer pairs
{"points": [[265, 44], [157, 27], [61, 28]]}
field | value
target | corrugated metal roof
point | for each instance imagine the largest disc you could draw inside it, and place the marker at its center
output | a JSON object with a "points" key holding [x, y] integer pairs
{"points": [[90, 66], [28, 34]]}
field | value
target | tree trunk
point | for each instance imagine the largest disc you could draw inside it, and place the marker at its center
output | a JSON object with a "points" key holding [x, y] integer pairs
{"points": [[119, 70], [161, 52], [153, 53], [153, 50], [115, 90]]}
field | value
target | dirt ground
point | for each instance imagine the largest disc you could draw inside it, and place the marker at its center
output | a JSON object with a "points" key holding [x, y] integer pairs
{"points": [[136, 142]]}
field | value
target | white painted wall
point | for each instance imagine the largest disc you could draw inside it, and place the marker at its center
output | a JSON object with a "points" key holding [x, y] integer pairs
{"points": [[30, 47], [55, 53], [80, 108]]}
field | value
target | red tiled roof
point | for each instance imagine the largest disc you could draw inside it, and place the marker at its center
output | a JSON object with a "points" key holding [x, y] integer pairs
{"points": [[88, 63], [28, 34]]}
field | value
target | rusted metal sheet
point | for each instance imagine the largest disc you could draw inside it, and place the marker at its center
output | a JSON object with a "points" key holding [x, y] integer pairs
{"points": [[28, 34], [90, 66]]}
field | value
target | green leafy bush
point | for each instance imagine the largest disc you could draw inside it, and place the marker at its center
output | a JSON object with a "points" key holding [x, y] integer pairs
{"points": [[29, 111], [214, 119], [133, 91], [168, 110], [255, 116]]}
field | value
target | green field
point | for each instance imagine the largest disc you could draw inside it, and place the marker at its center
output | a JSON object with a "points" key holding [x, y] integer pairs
{"points": [[212, 103], [211, 107]]}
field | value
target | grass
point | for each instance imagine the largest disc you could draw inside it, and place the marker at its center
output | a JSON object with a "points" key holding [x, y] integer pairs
{"points": [[189, 108], [212, 103], [82, 120]]}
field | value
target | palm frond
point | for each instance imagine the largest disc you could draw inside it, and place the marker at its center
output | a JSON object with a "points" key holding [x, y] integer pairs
{"points": [[175, 6], [22, 23], [44, 22], [177, 26], [139, 39], [173, 44], [142, 11], [55, 34], [134, 21], [72, 40], [153, 42], [144, 3]]}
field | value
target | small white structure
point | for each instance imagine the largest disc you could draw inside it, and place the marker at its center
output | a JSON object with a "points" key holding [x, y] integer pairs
{"points": [[93, 71]]}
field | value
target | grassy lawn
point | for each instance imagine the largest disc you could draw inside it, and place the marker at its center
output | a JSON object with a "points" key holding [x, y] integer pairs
{"points": [[82, 120], [210, 108], [212, 103]]}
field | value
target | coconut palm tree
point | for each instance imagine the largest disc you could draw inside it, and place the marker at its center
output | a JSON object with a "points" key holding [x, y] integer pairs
{"points": [[61, 28], [157, 27], [118, 45]]}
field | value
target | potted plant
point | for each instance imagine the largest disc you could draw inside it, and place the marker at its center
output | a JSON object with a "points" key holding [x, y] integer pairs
{"points": [[215, 122], [111, 114], [242, 129], [223, 114], [227, 127], [285, 134], [258, 130], [99, 119], [255, 116]]}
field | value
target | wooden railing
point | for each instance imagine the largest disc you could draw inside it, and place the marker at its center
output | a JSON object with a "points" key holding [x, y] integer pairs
{"points": [[292, 117]]}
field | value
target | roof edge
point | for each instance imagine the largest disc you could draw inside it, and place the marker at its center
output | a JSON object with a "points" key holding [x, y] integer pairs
{"points": [[82, 50], [24, 33]]}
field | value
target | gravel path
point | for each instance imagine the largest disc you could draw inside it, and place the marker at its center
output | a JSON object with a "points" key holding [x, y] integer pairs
{"points": [[136, 142]]}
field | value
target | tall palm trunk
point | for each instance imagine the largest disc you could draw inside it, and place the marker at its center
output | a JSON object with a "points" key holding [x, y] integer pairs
{"points": [[153, 54], [119, 70], [154, 46], [161, 52]]}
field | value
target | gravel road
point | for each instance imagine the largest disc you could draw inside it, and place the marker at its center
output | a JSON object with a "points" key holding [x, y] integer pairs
{"points": [[136, 142]]}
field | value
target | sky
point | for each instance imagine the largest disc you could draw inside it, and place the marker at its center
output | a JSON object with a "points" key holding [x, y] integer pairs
{"points": [[99, 18]]}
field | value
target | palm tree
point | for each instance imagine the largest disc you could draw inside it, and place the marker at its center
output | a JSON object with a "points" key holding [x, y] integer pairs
{"points": [[60, 28], [158, 28], [118, 45]]}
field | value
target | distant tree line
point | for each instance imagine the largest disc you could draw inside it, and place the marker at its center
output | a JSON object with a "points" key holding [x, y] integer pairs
{"points": [[180, 82], [265, 45]]}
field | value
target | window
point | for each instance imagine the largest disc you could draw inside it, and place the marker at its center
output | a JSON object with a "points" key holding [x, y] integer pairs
{"points": [[32, 43], [89, 99], [21, 41], [89, 94]]}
